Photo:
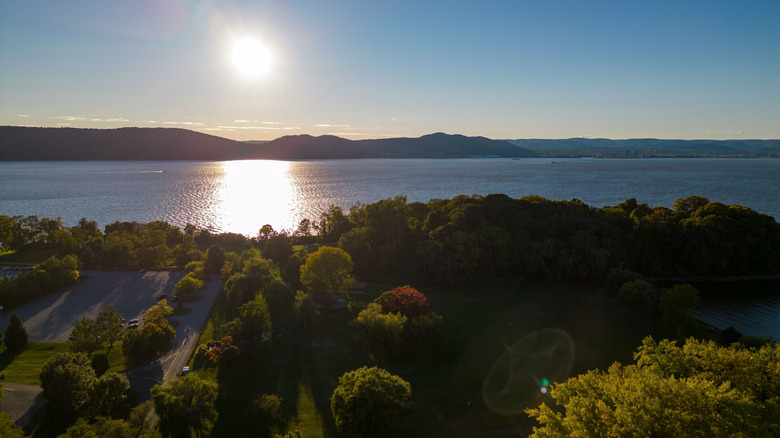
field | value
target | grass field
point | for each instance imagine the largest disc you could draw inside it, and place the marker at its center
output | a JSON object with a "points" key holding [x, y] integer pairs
{"points": [[25, 367], [480, 323]]}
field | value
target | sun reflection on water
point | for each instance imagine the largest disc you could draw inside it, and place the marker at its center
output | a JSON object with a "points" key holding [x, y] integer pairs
{"points": [[253, 193]]}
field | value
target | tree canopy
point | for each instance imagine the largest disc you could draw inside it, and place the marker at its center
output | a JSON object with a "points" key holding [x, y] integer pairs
{"points": [[186, 407], [694, 389], [328, 269], [369, 401]]}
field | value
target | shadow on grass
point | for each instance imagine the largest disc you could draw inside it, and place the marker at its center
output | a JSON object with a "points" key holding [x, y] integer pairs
{"points": [[6, 357]]}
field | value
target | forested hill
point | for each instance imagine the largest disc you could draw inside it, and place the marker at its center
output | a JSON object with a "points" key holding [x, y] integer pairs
{"points": [[428, 146], [650, 148], [61, 144]]}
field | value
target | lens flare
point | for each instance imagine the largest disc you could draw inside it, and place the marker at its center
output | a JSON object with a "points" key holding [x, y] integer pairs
{"points": [[514, 382]]}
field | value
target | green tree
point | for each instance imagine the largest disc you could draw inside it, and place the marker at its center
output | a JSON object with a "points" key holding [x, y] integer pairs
{"points": [[305, 309], [135, 345], [693, 389], [109, 325], [638, 293], [66, 380], [255, 320], [278, 248], [328, 269], [215, 258], [84, 337], [100, 428], [188, 286], [186, 407], [369, 401], [675, 306], [634, 401], [111, 396], [15, 334], [154, 338], [8, 428], [381, 331], [158, 313]]}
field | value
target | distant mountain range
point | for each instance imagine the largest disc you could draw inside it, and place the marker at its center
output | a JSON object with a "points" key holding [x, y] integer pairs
{"points": [[650, 148], [72, 144]]}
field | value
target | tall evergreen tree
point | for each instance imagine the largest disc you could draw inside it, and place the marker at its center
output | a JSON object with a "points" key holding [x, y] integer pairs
{"points": [[15, 335]]}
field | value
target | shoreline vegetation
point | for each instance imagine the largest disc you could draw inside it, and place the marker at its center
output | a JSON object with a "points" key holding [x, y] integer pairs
{"points": [[485, 310], [154, 144]]}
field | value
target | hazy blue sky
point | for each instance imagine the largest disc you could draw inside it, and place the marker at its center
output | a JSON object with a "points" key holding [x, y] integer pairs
{"points": [[369, 69]]}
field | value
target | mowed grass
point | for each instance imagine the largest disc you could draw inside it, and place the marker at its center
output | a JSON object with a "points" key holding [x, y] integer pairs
{"points": [[480, 323], [25, 367]]}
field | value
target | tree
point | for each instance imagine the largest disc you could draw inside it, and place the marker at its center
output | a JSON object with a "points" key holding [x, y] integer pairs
{"points": [[15, 334], [634, 401], [111, 396], [158, 313], [405, 300], [66, 380], [188, 286], [84, 337], [255, 320], [278, 248], [215, 258], [695, 389], [369, 401], [381, 331], [675, 306], [8, 428], [267, 407], [305, 309], [100, 428], [186, 406], [328, 269], [109, 325], [154, 338]]}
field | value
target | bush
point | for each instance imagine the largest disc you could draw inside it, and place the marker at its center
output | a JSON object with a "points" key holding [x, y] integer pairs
{"points": [[267, 406]]}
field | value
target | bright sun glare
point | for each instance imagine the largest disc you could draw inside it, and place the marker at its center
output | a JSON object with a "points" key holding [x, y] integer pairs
{"points": [[251, 57]]}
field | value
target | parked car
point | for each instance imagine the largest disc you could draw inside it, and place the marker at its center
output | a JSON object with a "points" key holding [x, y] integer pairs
{"points": [[161, 297]]}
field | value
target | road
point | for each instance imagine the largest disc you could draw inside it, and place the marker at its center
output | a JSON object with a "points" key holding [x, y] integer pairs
{"points": [[187, 327]]}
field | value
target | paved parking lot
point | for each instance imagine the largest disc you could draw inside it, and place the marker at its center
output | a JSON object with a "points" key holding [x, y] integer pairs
{"points": [[51, 319]]}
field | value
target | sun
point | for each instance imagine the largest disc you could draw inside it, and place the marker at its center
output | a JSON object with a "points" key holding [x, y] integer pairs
{"points": [[251, 57]]}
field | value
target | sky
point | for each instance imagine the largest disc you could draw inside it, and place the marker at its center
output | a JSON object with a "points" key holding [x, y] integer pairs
{"points": [[371, 69]]}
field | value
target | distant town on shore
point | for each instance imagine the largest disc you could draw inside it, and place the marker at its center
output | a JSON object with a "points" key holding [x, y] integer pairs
{"points": [[74, 144]]}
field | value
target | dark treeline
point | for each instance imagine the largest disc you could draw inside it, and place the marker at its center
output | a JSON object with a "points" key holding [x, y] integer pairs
{"points": [[495, 236], [447, 240]]}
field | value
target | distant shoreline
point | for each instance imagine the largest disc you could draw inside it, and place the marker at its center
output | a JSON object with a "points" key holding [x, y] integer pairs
{"points": [[173, 144]]}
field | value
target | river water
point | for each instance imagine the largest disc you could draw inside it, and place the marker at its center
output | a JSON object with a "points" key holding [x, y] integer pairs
{"points": [[242, 196]]}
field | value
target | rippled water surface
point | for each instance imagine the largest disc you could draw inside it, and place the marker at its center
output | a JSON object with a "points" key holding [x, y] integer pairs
{"points": [[242, 196]]}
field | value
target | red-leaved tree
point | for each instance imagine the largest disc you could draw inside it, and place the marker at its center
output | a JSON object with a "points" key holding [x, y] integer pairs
{"points": [[405, 300]]}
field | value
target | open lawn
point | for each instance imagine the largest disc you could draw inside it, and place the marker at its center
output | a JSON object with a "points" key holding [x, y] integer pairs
{"points": [[482, 323], [25, 367]]}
